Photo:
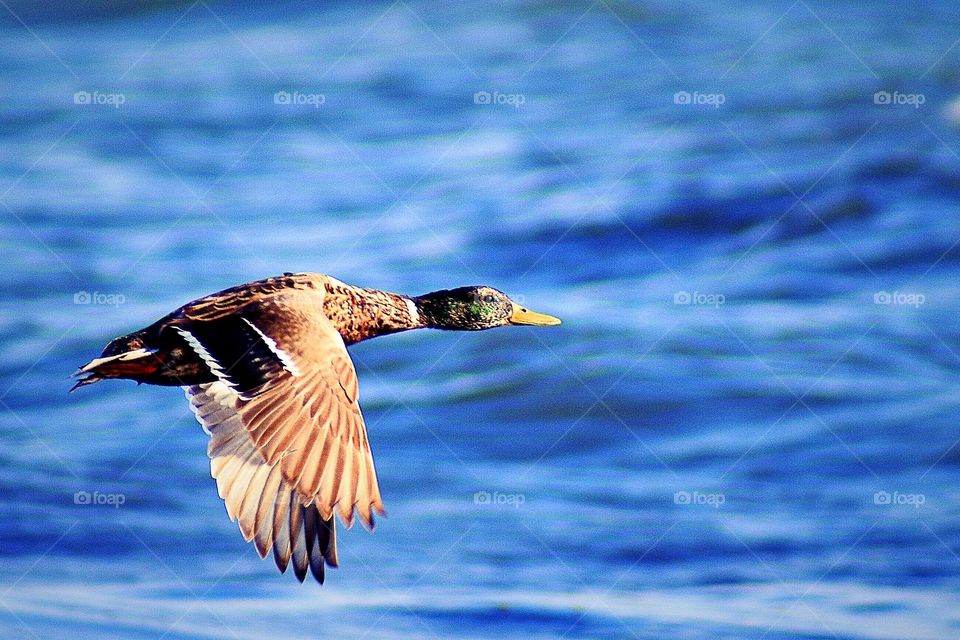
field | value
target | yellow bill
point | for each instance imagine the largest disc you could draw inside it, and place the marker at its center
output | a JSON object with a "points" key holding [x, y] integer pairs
{"points": [[525, 316]]}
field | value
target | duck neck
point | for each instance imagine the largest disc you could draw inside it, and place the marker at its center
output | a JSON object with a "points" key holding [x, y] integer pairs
{"points": [[434, 311], [359, 314]]}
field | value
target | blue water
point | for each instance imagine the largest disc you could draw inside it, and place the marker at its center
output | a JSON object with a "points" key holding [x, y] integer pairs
{"points": [[776, 459]]}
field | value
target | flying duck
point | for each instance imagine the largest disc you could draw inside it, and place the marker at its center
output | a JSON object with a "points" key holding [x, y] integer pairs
{"points": [[266, 371]]}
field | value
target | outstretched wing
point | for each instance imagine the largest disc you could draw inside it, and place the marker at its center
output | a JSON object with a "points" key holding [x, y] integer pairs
{"points": [[296, 395], [268, 510]]}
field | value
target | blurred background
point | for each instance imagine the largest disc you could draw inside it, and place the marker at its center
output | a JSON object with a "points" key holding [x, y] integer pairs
{"points": [[744, 212]]}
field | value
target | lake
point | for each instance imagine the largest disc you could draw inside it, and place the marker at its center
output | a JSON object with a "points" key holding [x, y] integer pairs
{"points": [[746, 215]]}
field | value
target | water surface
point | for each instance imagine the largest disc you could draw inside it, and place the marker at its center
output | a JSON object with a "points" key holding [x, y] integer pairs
{"points": [[745, 428]]}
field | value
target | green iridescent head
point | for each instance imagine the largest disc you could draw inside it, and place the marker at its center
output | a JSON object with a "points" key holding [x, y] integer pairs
{"points": [[476, 308]]}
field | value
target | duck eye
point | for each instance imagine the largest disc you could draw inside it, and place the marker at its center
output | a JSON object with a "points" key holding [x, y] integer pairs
{"points": [[488, 299]]}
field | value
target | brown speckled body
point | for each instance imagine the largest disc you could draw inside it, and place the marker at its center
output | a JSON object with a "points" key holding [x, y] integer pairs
{"points": [[356, 313]]}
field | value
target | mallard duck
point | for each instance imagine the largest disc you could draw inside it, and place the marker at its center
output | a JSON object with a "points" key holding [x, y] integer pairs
{"points": [[266, 371]]}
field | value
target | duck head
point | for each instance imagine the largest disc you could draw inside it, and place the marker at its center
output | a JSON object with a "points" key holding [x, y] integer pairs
{"points": [[476, 308]]}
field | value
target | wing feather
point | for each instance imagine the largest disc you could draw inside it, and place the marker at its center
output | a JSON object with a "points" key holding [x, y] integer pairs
{"points": [[288, 448], [250, 502], [311, 423], [269, 511], [301, 556], [281, 529], [263, 521]]}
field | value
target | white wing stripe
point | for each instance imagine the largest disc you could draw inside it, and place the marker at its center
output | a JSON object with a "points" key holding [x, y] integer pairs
{"points": [[284, 357], [208, 359], [201, 351]]}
